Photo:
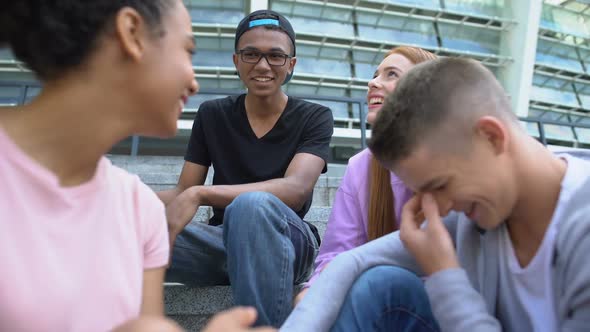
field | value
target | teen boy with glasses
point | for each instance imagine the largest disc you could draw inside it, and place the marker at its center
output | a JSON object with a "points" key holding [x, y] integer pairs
{"points": [[267, 151]]}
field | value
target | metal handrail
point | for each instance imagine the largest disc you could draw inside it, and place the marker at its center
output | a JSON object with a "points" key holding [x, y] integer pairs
{"points": [[361, 102]]}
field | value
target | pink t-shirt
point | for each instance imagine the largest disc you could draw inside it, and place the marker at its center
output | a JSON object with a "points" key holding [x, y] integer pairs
{"points": [[72, 259]]}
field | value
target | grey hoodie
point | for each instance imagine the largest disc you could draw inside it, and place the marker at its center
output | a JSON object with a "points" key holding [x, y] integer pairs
{"points": [[465, 299]]}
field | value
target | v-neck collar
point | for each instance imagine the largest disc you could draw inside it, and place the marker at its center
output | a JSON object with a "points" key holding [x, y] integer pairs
{"points": [[251, 130]]}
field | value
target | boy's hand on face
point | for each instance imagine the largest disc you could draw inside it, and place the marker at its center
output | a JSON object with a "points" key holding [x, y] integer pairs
{"points": [[182, 209], [431, 245]]}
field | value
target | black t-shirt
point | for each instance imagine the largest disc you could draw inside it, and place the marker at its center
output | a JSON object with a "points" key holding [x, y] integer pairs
{"points": [[222, 137]]}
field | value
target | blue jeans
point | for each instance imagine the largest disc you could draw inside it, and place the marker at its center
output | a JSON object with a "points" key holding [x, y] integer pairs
{"points": [[262, 249], [386, 298]]}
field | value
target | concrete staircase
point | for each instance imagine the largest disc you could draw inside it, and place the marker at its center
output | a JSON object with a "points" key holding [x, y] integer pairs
{"points": [[192, 306]]}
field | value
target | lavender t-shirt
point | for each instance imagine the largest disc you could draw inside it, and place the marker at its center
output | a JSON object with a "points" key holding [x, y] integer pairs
{"points": [[347, 225]]}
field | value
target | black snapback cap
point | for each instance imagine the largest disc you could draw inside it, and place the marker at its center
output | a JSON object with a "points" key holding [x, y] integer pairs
{"points": [[266, 17]]}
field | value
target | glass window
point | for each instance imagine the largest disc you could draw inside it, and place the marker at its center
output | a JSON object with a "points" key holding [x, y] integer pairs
{"points": [[194, 102], [477, 7], [331, 91], [220, 83], [218, 4], [531, 128], [552, 82], [324, 27], [370, 57], [464, 38], [561, 133], [554, 116], [433, 4], [558, 55], [220, 11], [297, 89], [225, 16], [6, 54], [17, 76], [339, 109], [214, 43], [575, 118], [583, 135], [304, 50], [300, 89], [323, 67], [552, 96], [533, 112], [548, 116], [317, 11], [582, 88], [562, 20], [361, 94], [365, 71], [585, 56], [32, 92], [356, 110], [9, 95], [334, 53], [585, 100], [208, 58], [397, 30]]}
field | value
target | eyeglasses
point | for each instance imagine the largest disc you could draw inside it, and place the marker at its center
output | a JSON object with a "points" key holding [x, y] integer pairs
{"points": [[273, 58]]}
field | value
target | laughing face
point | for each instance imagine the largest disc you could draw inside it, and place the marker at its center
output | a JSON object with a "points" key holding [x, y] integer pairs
{"points": [[480, 183], [384, 81], [166, 78], [261, 78]]}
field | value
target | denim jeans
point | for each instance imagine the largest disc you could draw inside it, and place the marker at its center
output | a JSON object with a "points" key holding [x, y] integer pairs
{"points": [[262, 249], [386, 298]]}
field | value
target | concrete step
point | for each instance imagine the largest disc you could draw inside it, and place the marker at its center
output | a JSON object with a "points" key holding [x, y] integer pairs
{"points": [[139, 164], [172, 164], [191, 307], [323, 193], [161, 173], [171, 179], [317, 215]]}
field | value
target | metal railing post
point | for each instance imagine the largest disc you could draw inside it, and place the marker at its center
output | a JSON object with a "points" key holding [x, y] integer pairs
{"points": [[134, 145]]}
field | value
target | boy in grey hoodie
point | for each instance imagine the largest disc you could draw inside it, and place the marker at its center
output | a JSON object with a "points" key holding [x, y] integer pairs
{"points": [[512, 252]]}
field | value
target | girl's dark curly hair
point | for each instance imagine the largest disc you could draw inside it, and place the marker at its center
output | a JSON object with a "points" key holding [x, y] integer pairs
{"points": [[51, 36]]}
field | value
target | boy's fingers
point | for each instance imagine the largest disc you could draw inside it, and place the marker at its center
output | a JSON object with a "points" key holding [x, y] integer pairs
{"points": [[435, 225], [431, 211], [430, 207], [411, 221], [409, 211]]}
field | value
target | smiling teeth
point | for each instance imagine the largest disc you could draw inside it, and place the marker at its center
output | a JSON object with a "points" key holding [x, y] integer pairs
{"points": [[262, 79], [376, 100]]}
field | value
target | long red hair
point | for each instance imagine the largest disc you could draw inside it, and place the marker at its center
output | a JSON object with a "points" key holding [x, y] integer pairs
{"points": [[381, 210]]}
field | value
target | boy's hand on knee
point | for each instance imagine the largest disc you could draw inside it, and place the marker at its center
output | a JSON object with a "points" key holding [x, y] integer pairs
{"points": [[182, 209], [431, 245], [235, 320]]}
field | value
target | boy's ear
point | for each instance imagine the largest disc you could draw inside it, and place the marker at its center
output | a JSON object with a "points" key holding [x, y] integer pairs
{"points": [[494, 132]]}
